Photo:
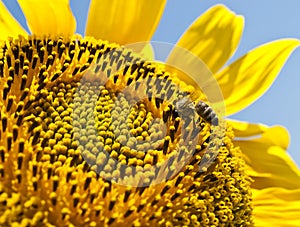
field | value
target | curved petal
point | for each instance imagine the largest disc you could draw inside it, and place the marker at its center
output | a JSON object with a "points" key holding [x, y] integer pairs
{"points": [[124, 21], [147, 52], [245, 80], [49, 17], [213, 37], [8, 24], [245, 130], [276, 207], [267, 161]]}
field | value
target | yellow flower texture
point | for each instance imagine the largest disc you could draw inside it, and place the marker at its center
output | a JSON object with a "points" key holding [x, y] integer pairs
{"points": [[54, 124]]}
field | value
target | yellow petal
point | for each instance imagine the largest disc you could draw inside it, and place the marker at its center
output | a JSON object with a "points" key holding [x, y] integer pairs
{"points": [[245, 80], [124, 22], [46, 17], [276, 207], [245, 130], [194, 72], [8, 24], [147, 52], [267, 161], [213, 37]]}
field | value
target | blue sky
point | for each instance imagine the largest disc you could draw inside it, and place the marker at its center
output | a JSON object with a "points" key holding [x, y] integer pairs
{"points": [[265, 21]]}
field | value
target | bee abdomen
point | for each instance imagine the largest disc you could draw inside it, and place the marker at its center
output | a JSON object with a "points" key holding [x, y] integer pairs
{"points": [[207, 113]]}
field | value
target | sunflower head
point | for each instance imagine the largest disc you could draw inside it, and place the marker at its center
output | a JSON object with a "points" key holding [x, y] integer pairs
{"points": [[87, 140]]}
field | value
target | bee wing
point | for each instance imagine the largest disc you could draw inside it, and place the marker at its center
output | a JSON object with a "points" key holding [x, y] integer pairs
{"points": [[193, 71]]}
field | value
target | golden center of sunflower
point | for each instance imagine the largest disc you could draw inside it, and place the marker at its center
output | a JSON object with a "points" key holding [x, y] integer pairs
{"points": [[75, 130]]}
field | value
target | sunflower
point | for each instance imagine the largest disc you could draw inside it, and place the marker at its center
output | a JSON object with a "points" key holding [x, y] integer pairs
{"points": [[55, 123]]}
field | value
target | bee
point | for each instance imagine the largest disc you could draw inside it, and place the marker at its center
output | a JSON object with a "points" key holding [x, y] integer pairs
{"points": [[207, 113], [186, 107]]}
